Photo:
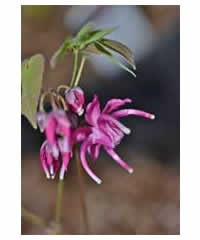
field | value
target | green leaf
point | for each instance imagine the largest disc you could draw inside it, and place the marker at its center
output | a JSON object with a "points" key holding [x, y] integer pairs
{"points": [[86, 36], [121, 49], [95, 36], [66, 47], [102, 49], [84, 32], [31, 78], [91, 49]]}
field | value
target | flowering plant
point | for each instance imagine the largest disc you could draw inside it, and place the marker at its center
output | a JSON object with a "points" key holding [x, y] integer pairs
{"points": [[61, 125]]}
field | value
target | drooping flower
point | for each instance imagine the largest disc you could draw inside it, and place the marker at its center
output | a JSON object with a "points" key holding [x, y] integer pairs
{"points": [[58, 127], [75, 100], [104, 130]]}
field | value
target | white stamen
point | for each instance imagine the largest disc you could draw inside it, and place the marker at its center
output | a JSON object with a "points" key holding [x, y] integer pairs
{"points": [[130, 170], [62, 173], [126, 130], [51, 170], [152, 117], [80, 111], [53, 176], [99, 181], [47, 175]]}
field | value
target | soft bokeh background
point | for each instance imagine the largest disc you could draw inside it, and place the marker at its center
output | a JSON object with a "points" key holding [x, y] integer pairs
{"points": [[146, 202]]}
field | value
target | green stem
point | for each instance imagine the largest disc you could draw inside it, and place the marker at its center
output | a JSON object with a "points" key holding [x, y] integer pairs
{"points": [[33, 218], [82, 193], [75, 68], [80, 71], [59, 197]]}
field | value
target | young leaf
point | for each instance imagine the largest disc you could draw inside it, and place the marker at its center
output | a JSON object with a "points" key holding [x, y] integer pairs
{"points": [[66, 47], [119, 48], [95, 36], [31, 79], [84, 31], [102, 49], [91, 49], [85, 37]]}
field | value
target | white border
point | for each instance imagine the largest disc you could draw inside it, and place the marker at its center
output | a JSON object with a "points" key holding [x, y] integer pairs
{"points": [[101, 2], [10, 117]]}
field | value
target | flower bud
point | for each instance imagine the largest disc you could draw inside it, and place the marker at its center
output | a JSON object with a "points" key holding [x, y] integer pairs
{"points": [[76, 100]]}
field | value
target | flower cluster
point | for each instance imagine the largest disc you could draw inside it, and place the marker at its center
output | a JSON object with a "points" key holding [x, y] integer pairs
{"points": [[102, 129]]}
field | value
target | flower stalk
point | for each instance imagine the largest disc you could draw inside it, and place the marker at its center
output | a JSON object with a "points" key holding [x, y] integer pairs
{"points": [[80, 71], [74, 68], [59, 198], [60, 185]]}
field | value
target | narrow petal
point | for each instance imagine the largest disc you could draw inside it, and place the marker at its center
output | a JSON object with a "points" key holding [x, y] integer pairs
{"points": [[49, 158], [114, 104], [93, 111], [42, 120], [65, 145], [50, 130], [65, 159], [115, 156], [94, 151], [115, 133], [126, 112], [84, 163], [43, 159], [55, 151], [51, 168], [118, 124], [56, 165]]}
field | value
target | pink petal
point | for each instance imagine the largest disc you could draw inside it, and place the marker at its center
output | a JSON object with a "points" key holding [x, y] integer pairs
{"points": [[98, 136], [94, 151], [42, 120], [93, 111], [115, 156], [115, 132], [114, 104], [84, 163], [65, 145], [49, 158], [50, 131], [55, 151], [43, 159], [63, 124], [81, 134], [65, 159], [126, 112], [56, 165], [117, 124], [75, 98]]}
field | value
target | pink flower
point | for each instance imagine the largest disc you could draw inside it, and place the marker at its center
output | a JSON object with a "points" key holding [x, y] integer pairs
{"points": [[58, 127], [76, 100], [105, 130]]}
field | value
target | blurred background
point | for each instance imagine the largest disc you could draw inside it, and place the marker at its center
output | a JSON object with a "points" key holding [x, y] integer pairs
{"points": [[146, 202]]}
